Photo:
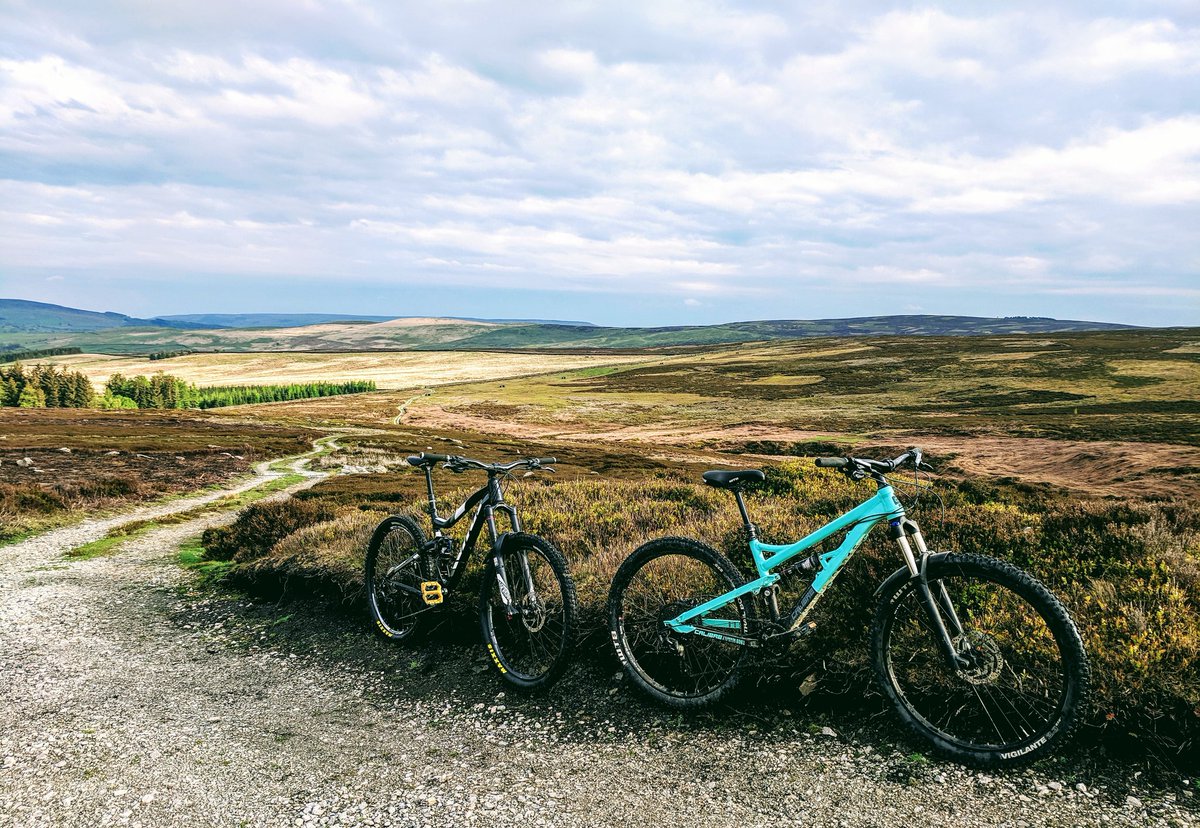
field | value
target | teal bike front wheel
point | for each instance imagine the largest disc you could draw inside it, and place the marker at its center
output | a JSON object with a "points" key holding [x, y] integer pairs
{"points": [[1021, 682], [660, 580]]}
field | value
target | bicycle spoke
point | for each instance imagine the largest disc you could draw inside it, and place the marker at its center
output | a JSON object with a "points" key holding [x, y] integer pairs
{"points": [[682, 664], [396, 564], [1012, 690], [532, 640]]}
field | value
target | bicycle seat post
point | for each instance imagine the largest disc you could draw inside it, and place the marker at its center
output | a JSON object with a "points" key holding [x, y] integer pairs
{"points": [[429, 486], [750, 528]]}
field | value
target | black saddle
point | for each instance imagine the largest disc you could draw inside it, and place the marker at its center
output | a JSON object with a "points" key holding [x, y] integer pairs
{"points": [[733, 479]]}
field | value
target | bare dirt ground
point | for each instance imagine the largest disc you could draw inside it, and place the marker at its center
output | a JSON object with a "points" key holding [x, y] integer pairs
{"points": [[135, 697], [1096, 467]]}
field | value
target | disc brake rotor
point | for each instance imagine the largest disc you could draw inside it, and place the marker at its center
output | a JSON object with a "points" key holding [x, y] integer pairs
{"points": [[533, 614], [983, 653]]}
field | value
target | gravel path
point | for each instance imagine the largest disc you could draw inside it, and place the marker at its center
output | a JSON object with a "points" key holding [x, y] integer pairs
{"points": [[132, 697]]}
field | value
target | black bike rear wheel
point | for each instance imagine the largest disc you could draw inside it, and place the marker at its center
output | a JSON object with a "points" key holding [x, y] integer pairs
{"points": [[393, 572], [660, 580], [1023, 691], [532, 646]]}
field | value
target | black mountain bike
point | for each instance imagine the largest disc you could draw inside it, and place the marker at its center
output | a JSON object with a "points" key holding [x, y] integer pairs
{"points": [[527, 604]]}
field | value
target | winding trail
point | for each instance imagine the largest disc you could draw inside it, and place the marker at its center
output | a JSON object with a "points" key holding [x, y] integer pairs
{"points": [[131, 698], [17, 557], [428, 392]]}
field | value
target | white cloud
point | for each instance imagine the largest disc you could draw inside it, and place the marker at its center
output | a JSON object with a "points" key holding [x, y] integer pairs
{"points": [[666, 149], [1101, 50]]}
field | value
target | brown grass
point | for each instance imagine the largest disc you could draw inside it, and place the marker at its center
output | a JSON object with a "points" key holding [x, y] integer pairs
{"points": [[117, 457]]}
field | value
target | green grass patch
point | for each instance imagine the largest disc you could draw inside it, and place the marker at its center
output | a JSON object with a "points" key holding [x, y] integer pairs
{"points": [[191, 557], [106, 545]]}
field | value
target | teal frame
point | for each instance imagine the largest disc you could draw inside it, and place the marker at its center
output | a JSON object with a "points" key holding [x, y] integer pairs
{"points": [[858, 522]]}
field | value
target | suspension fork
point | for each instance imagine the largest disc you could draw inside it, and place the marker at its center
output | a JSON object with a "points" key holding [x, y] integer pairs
{"points": [[935, 599], [496, 504], [514, 524]]}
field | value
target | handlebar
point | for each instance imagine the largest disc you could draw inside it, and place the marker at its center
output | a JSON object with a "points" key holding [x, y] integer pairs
{"points": [[832, 462], [863, 466], [424, 459], [458, 464]]}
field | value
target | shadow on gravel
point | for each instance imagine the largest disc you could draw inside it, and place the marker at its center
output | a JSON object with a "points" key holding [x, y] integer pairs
{"points": [[445, 663]]}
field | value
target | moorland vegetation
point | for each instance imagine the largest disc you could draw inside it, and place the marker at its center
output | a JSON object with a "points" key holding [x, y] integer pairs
{"points": [[1112, 526], [60, 465]]}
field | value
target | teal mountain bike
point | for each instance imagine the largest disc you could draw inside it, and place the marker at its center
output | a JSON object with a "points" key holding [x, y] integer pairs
{"points": [[978, 658]]}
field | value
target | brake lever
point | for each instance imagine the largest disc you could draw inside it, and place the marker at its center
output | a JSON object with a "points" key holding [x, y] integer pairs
{"points": [[923, 466]]}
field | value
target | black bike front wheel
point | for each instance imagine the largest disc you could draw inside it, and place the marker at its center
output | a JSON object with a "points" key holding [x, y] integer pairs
{"points": [[660, 580], [530, 639], [393, 572], [1021, 688]]}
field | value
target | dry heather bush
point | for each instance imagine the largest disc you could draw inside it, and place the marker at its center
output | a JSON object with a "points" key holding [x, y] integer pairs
{"points": [[33, 506], [260, 527], [325, 557], [23, 499]]}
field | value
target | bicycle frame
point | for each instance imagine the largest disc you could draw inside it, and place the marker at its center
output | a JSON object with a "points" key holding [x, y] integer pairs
{"points": [[858, 522], [486, 500]]}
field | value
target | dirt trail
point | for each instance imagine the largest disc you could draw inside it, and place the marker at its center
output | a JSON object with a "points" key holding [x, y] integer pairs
{"points": [[403, 407], [133, 699]]}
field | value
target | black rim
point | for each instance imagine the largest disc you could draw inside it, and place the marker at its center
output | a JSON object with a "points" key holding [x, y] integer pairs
{"points": [[395, 581], [680, 665], [1013, 694], [528, 643]]}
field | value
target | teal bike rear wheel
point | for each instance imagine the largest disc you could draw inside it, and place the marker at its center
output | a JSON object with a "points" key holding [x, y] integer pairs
{"points": [[657, 582]]}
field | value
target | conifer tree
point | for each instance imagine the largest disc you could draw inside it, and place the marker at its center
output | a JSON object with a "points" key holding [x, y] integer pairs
{"points": [[32, 397]]}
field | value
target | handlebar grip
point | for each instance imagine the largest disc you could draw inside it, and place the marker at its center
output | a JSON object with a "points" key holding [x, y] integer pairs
{"points": [[413, 459], [832, 462], [545, 461], [437, 458]]}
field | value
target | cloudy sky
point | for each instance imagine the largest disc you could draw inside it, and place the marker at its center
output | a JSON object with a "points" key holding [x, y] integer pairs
{"points": [[623, 163]]}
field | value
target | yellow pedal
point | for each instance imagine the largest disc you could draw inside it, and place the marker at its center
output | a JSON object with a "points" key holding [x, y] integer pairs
{"points": [[431, 593]]}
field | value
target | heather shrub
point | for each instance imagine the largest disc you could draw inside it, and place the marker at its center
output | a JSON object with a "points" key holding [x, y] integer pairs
{"points": [[26, 499], [324, 557], [260, 527]]}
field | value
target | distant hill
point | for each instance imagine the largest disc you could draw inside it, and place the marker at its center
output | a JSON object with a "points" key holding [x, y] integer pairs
{"points": [[558, 336], [268, 320], [21, 316], [37, 325], [529, 322], [296, 320]]}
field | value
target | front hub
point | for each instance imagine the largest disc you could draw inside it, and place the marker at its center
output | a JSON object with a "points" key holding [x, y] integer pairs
{"points": [[983, 656]]}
